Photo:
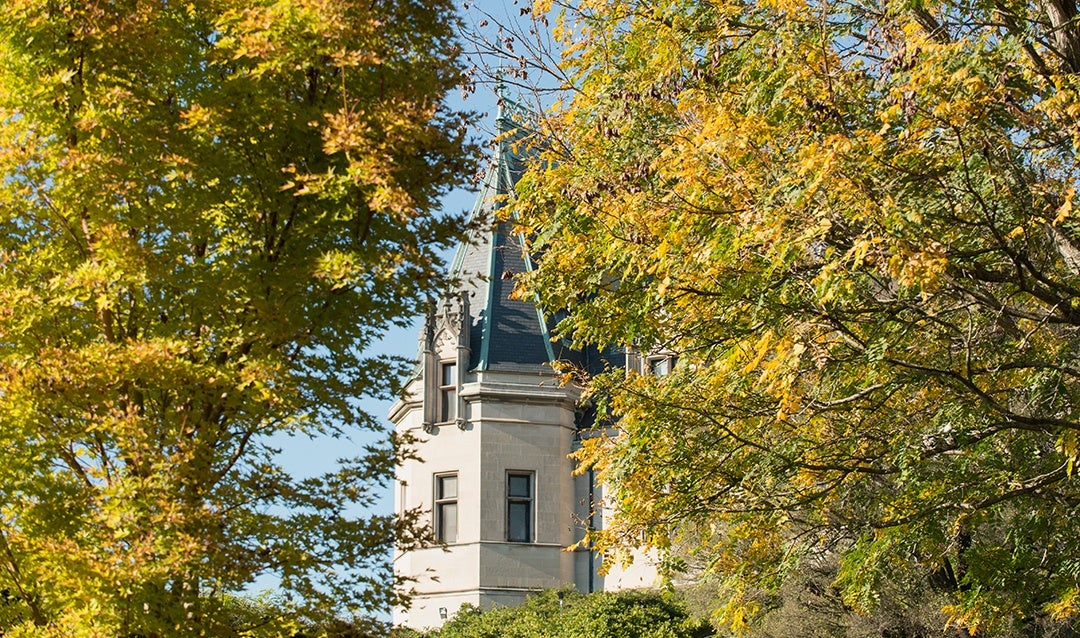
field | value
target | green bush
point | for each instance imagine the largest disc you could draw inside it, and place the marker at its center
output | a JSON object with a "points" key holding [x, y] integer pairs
{"points": [[564, 613]]}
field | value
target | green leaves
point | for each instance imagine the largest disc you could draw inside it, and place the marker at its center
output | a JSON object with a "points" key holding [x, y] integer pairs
{"points": [[844, 220], [572, 615], [208, 210]]}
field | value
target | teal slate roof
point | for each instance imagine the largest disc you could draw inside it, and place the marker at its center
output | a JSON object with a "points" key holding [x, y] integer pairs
{"points": [[507, 333], [504, 332]]}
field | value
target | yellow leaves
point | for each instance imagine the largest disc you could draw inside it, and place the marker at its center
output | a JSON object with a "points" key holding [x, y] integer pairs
{"points": [[862, 250], [759, 352], [787, 174], [196, 116], [593, 453], [977, 619], [372, 141], [1063, 103], [1064, 211], [737, 611], [346, 131], [160, 281], [818, 158], [340, 268], [786, 7], [664, 285], [1067, 445], [350, 59], [779, 358], [920, 266], [975, 85], [116, 262], [1066, 607]]}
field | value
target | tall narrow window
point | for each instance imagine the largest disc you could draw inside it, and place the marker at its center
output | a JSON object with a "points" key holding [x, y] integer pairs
{"points": [[519, 507], [446, 508], [447, 391]]}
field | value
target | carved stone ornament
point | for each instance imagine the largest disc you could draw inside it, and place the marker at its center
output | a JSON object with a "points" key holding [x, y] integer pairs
{"points": [[446, 341]]}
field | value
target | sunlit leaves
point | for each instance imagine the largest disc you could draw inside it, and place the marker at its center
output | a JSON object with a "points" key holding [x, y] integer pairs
{"points": [[852, 223], [209, 209]]}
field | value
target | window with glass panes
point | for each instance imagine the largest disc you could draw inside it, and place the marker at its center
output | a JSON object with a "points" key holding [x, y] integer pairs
{"points": [[447, 391], [519, 507], [446, 518]]}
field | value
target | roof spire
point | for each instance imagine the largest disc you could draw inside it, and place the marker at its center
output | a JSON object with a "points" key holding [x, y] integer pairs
{"points": [[500, 86], [503, 119]]}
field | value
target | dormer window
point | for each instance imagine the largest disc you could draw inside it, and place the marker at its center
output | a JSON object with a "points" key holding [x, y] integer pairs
{"points": [[447, 391], [659, 365]]}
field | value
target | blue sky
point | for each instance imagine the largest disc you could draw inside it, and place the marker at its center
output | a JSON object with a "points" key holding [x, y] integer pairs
{"points": [[304, 456]]}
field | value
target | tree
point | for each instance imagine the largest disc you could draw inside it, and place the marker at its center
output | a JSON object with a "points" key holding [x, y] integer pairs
{"points": [[210, 208], [853, 223], [809, 604]]}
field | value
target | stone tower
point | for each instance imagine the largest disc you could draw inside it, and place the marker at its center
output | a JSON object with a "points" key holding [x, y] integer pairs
{"points": [[494, 429]]}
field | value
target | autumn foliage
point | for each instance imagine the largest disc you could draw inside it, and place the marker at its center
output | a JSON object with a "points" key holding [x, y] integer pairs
{"points": [[208, 209], [853, 223]]}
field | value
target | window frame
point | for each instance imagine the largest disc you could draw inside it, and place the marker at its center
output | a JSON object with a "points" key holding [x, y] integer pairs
{"points": [[528, 500], [446, 410], [660, 365], [442, 503]]}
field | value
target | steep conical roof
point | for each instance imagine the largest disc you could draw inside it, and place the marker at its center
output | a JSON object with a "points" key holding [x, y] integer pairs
{"points": [[504, 332]]}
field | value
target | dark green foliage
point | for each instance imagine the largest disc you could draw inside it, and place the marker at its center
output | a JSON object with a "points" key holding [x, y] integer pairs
{"points": [[565, 613]]}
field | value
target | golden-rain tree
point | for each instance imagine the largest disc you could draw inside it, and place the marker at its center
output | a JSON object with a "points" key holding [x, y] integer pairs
{"points": [[853, 222], [209, 209]]}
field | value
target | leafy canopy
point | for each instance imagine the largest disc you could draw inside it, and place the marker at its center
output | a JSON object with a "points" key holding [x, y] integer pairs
{"points": [[853, 223], [209, 209]]}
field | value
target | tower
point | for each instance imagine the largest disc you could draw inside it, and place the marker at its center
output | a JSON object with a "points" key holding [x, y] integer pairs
{"points": [[494, 429]]}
